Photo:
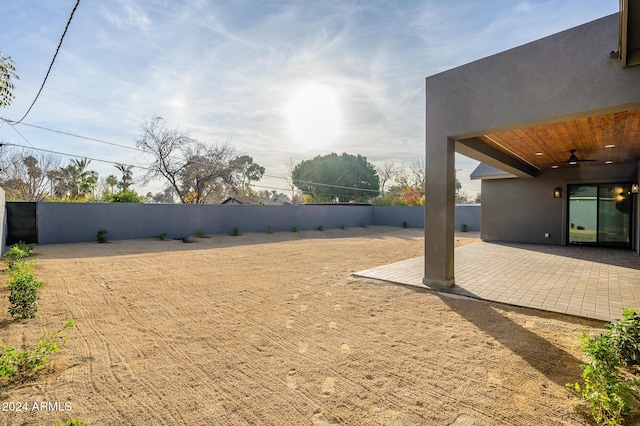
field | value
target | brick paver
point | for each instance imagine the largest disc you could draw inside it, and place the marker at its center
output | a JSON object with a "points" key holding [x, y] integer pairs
{"points": [[588, 282]]}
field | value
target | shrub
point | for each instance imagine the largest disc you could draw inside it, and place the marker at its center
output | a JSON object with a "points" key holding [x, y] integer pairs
{"points": [[17, 253], [294, 228], [320, 228], [405, 224], [162, 236], [609, 384], [200, 233], [235, 231], [71, 422], [23, 291], [17, 366], [101, 236], [127, 196], [464, 227], [362, 225], [343, 226], [269, 229]]}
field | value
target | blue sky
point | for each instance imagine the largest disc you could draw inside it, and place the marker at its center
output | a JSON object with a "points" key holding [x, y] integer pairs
{"points": [[281, 79]]}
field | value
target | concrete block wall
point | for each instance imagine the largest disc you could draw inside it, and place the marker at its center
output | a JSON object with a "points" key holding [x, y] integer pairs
{"points": [[468, 214], [75, 222], [78, 222]]}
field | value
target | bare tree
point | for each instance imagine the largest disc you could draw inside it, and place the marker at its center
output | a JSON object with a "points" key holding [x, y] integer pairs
{"points": [[290, 165], [25, 175], [194, 170], [386, 173], [166, 147], [209, 170], [414, 176]]}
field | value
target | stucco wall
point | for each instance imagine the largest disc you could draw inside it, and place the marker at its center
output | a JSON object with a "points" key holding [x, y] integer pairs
{"points": [[468, 214], [76, 222], [524, 209], [566, 74], [66, 222]]}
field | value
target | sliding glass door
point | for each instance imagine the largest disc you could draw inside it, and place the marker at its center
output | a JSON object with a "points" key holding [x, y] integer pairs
{"points": [[600, 214]]}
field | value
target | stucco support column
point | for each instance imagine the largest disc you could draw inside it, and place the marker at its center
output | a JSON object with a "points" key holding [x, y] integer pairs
{"points": [[439, 219]]}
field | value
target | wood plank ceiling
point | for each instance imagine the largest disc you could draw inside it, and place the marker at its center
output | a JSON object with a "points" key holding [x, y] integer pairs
{"points": [[607, 139]]}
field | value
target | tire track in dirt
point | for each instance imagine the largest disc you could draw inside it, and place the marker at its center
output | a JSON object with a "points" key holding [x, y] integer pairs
{"points": [[203, 335]]}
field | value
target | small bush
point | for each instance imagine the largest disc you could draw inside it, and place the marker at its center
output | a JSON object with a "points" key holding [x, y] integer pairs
{"points": [[23, 291], [343, 226], [464, 227], [162, 236], [405, 224], [320, 228], [610, 386], [18, 366], [294, 228], [101, 236], [235, 231], [269, 229], [18, 253], [127, 196], [362, 225], [200, 233], [71, 422]]}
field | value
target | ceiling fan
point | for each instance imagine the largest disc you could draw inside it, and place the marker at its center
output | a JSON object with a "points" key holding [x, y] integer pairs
{"points": [[573, 158]]}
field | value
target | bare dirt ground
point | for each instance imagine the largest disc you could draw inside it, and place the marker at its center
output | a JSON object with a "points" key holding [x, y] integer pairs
{"points": [[270, 329]]}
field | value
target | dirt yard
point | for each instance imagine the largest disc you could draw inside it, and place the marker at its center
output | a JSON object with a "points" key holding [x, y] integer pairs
{"points": [[270, 329]]}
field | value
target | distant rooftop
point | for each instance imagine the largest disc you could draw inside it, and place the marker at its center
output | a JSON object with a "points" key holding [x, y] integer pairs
{"points": [[484, 171]]}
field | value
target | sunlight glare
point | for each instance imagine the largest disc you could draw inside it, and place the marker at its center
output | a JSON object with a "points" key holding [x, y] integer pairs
{"points": [[314, 116]]}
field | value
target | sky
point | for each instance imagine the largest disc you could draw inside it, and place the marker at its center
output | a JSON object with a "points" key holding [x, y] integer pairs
{"points": [[280, 80]]}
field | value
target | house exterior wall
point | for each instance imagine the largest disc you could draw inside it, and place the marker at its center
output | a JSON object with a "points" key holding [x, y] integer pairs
{"points": [[563, 76], [523, 210]]}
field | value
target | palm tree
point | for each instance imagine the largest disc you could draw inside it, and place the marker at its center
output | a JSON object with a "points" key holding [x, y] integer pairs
{"points": [[127, 175], [112, 181], [84, 180]]}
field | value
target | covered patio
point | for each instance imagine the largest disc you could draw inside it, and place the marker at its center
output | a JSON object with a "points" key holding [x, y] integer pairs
{"points": [[559, 118], [588, 282]]}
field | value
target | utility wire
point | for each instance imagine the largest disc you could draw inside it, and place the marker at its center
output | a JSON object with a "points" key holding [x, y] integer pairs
{"points": [[79, 136], [71, 155], [21, 135], [50, 65], [142, 151]]}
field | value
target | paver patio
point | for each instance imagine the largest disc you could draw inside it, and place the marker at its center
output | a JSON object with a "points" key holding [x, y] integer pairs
{"points": [[588, 282]]}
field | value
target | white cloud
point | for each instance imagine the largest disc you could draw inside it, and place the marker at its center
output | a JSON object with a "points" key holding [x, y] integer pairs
{"points": [[227, 69], [124, 14]]}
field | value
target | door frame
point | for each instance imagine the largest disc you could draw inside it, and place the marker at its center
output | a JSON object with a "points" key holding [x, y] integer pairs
{"points": [[632, 212]]}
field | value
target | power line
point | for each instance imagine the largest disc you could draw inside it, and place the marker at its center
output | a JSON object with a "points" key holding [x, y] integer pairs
{"points": [[50, 65], [71, 155], [79, 136], [11, 123], [21, 135], [142, 151]]}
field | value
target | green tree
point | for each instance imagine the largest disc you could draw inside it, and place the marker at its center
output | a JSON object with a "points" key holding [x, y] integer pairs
{"points": [[74, 182], [245, 172], [127, 176], [7, 73], [112, 181], [343, 177]]}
